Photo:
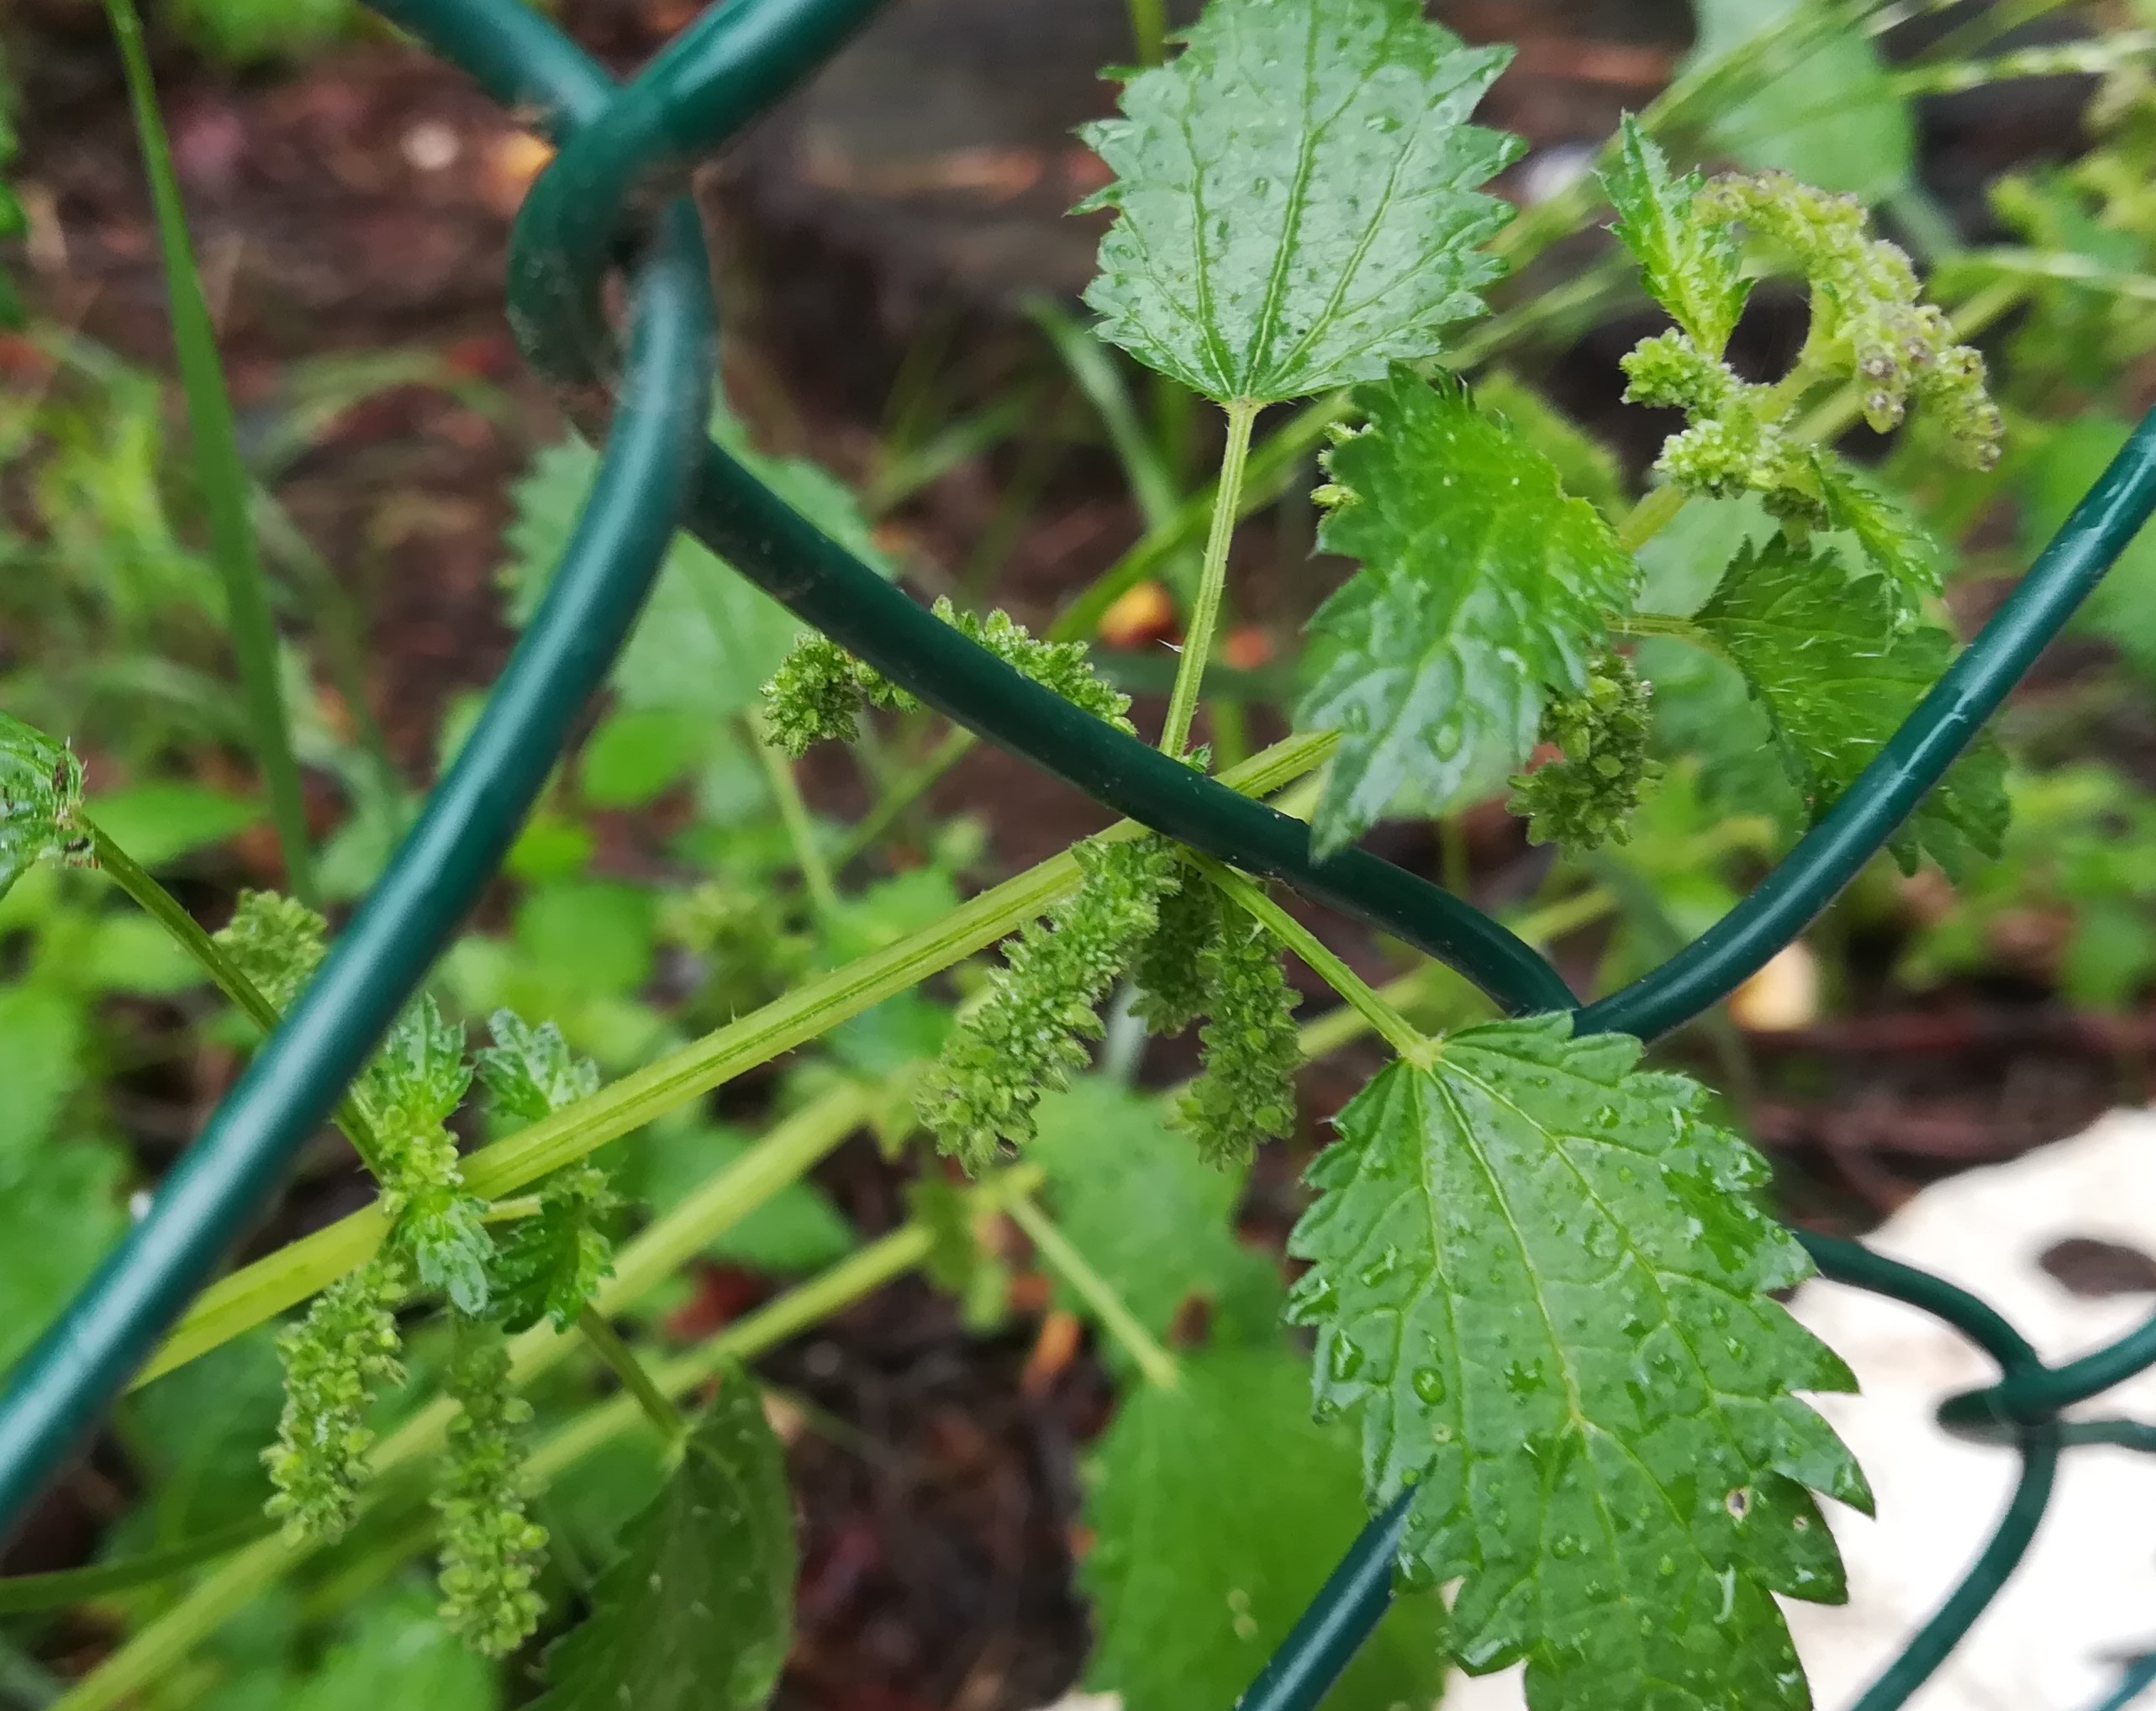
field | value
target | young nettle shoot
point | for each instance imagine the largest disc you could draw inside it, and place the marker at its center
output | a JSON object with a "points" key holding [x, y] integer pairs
{"points": [[1541, 1282], [412, 1089], [1299, 207]]}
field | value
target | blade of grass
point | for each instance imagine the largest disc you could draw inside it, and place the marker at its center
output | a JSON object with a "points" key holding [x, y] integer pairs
{"points": [[222, 476]]}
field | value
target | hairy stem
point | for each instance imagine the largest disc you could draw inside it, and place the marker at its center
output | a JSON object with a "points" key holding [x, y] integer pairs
{"points": [[1645, 623], [1393, 1027], [621, 1361], [225, 489], [1655, 511], [1212, 579], [254, 1294], [1072, 1266]]}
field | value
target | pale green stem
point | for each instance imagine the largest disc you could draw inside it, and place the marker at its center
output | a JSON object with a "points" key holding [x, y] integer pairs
{"points": [[510, 1211], [257, 1293], [1656, 510], [1455, 861], [800, 829], [1646, 623], [1393, 1027], [621, 1361], [184, 931], [1212, 579], [1149, 30], [1107, 1302]]}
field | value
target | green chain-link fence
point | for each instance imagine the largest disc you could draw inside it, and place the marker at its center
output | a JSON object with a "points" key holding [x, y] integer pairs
{"points": [[612, 196]]}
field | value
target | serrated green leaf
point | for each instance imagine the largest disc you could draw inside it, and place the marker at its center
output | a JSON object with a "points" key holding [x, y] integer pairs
{"points": [[696, 1613], [1887, 534], [1587, 468], [529, 1072], [1133, 1194], [1483, 587], [1703, 710], [549, 1263], [1541, 1279], [1689, 265], [1193, 1581], [1680, 566], [1297, 196], [420, 1075], [708, 638], [1836, 678], [40, 790]]}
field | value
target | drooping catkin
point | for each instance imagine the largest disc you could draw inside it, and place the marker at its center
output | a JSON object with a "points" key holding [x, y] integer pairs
{"points": [[491, 1549], [1029, 1033]]}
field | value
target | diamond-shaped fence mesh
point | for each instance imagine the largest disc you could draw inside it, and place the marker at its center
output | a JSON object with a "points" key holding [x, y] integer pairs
{"points": [[611, 199]]}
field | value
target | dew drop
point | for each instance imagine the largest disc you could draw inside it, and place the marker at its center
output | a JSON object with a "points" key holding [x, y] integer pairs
{"points": [[1429, 1384]]}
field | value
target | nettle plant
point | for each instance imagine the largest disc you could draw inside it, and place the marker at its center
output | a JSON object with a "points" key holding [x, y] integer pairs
{"points": [[1537, 1278]]}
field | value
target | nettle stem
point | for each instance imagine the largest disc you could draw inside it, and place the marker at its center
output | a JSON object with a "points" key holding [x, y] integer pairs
{"points": [[255, 1293], [1657, 510], [184, 931], [621, 1361], [1395, 1029], [1212, 579], [1072, 1266]]}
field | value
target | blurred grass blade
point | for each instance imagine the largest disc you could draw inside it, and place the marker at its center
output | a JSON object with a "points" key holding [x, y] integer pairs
{"points": [[1092, 367], [218, 467], [63, 1588]]}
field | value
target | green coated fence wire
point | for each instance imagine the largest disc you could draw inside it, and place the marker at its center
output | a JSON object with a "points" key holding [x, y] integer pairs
{"points": [[612, 198]]}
